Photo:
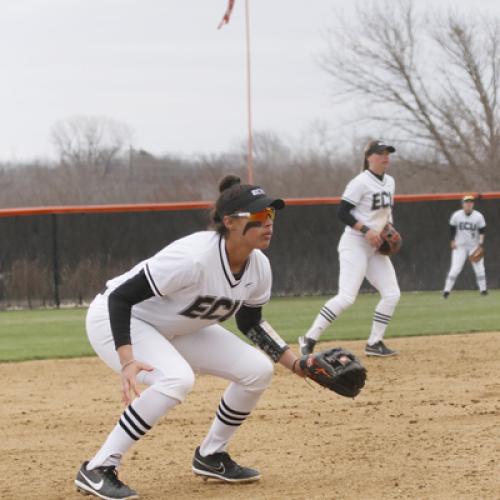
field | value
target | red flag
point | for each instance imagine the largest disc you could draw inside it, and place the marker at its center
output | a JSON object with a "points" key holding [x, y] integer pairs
{"points": [[227, 14]]}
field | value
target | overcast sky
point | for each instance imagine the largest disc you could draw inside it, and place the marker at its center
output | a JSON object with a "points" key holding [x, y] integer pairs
{"points": [[163, 68]]}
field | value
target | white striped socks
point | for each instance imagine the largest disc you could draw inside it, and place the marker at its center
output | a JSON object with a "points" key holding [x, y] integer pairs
{"points": [[230, 417], [137, 419], [226, 421], [323, 320], [127, 431], [449, 284], [381, 318], [328, 314], [481, 282], [379, 325], [133, 424]]}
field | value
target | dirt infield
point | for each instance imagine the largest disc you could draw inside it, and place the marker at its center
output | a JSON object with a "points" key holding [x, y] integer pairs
{"points": [[426, 426]]}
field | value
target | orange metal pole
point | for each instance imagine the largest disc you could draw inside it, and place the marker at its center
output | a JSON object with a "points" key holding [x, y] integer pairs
{"points": [[249, 97]]}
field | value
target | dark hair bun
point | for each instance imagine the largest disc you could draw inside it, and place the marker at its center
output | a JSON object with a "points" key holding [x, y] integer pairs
{"points": [[228, 181]]}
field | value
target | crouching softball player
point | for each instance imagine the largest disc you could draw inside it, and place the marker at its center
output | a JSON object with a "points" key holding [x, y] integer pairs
{"points": [[160, 322]]}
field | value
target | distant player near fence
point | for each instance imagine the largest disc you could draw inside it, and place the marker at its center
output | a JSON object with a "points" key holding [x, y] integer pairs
{"points": [[365, 209], [467, 227]]}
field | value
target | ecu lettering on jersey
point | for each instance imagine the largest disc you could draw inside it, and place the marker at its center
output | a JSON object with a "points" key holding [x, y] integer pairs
{"points": [[468, 226], [373, 199], [381, 200], [209, 307]]}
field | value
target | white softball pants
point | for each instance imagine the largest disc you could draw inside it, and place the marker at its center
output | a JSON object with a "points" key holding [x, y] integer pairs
{"points": [[358, 260], [211, 350], [459, 256]]}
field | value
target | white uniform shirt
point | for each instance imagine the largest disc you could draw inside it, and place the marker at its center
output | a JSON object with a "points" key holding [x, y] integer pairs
{"points": [[468, 227], [194, 286], [372, 198]]}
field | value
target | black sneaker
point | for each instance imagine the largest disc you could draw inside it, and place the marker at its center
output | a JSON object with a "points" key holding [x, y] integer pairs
{"points": [[446, 295], [220, 466], [306, 345], [379, 349], [484, 292], [102, 482]]}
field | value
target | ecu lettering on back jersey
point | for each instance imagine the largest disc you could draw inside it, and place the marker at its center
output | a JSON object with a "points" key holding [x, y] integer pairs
{"points": [[194, 286], [372, 198], [468, 227]]}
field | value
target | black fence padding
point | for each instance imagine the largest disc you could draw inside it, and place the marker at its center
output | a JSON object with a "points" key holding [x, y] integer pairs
{"points": [[305, 259], [88, 249]]}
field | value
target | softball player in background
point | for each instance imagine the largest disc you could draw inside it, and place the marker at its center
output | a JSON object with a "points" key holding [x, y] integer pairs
{"points": [[159, 323], [467, 228], [365, 208]]}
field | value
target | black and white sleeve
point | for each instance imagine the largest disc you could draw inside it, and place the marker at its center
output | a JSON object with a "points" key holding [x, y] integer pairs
{"points": [[260, 332], [344, 213]]}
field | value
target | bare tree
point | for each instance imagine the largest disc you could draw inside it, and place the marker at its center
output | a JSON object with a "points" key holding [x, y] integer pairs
{"points": [[91, 141], [430, 81]]}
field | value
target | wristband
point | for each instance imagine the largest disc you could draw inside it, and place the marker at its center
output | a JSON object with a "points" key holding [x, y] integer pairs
{"points": [[264, 336], [301, 374], [364, 229], [129, 362]]}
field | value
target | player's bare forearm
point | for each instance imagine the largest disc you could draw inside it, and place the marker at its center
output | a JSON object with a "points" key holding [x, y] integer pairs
{"points": [[125, 354], [130, 367], [370, 235], [358, 226], [290, 360]]}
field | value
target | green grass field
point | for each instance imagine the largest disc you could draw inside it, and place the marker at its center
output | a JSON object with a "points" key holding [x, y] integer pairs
{"points": [[42, 334]]}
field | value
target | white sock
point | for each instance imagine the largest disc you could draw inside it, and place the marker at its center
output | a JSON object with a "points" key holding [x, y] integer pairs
{"points": [[134, 422], [234, 407], [481, 282], [379, 325], [323, 320], [450, 282]]}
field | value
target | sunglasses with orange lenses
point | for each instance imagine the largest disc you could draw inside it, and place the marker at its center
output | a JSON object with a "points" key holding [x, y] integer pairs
{"points": [[261, 216]]}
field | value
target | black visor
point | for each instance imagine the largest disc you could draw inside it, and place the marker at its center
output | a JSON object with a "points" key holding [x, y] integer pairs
{"points": [[379, 147], [250, 199]]}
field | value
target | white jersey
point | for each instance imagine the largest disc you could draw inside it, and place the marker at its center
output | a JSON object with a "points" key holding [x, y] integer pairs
{"points": [[372, 198], [194, 286], [468, 227]]}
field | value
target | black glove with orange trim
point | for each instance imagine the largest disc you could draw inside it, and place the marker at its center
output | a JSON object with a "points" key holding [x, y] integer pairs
{"points": [[336, 369]]}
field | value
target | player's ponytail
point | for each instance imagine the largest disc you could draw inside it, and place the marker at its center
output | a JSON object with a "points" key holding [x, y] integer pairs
{"points": [[368, 151], [230, 187], [228, 181]]}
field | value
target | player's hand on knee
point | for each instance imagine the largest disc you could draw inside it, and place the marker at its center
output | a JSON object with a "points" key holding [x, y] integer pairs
{"points": [[453, 245], [373, 238], [129, 379]]}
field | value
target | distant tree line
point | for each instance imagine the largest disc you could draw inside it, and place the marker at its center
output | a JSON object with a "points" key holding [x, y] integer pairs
{"points": [[135, 176]]}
